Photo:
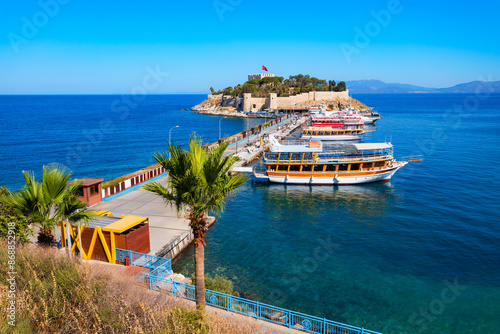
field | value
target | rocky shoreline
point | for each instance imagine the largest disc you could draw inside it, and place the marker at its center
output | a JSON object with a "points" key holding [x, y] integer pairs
{"points": [[221, 112]]}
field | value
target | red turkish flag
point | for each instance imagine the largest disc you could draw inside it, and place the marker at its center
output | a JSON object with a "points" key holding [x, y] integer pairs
{"points": [[264, 68]]}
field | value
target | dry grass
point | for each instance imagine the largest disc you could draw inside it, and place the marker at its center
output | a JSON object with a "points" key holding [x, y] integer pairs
{"points": [[56, 294]]}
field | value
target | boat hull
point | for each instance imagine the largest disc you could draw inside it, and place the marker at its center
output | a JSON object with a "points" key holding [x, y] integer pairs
{"points": [[370, 119], [333, 180], [331, 138]]}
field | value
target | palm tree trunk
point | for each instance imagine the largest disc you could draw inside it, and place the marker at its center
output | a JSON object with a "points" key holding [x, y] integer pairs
{"points": [[199, 270], [68, 240]]}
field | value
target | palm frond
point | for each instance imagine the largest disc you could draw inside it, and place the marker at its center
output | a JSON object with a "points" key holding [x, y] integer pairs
{"points": [[198, 180], [54, 183]]}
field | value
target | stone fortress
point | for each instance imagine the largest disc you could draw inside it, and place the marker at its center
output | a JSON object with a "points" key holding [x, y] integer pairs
{"points": [[253, 104], [260, 76]]}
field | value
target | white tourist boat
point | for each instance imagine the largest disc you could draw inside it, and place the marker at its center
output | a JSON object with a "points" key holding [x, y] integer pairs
{"points": [[314, 163], [353, 112], [333, 129]]}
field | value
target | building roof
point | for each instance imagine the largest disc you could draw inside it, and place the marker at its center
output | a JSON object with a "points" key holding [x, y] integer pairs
{"points": [[124, 224], [90, 180], [372, 146], [103, 221]]}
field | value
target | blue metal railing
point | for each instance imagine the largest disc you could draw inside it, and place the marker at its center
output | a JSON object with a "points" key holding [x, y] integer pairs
{"points": [[160, 268]]}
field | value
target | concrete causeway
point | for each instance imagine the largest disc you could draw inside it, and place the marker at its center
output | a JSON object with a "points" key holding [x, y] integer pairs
{"points": [[165, 227], [170, 234]]}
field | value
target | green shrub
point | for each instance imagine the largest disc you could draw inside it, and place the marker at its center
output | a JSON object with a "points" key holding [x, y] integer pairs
{"points": [[219, 283], [8, 219], [185, 321]]}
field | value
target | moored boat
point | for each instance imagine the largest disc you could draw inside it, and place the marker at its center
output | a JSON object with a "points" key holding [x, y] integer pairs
{"points": [[333, 128], [313, 162], [366, 117]]}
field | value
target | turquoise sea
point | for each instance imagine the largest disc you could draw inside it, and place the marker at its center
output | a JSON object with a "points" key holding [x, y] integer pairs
{"points": [[417, 255]]}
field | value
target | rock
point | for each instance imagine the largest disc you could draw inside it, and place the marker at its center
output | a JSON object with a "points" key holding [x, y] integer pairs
{"points": [[179, 278]]}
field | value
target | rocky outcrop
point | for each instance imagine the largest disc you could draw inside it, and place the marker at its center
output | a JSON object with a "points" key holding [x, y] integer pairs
{"points": [[214, 107], [220, 107]]}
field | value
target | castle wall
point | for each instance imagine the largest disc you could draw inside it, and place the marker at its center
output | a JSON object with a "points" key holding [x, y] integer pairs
{"points": [[257, 103], [233, 102], [249, 103], [259, 76]]}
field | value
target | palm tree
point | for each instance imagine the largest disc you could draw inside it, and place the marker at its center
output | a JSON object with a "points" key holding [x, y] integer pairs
{"points": [[198, 182], [49, 202]]}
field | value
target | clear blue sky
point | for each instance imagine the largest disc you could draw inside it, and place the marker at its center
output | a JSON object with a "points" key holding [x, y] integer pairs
{"points": [[105, 46]]}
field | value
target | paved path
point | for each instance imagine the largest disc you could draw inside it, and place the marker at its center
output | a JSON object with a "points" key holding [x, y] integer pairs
{"points": [[238, 147], [250, 153], [164, 225]]}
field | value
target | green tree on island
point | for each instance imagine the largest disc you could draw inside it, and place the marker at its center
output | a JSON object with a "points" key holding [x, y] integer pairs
{"points": [[294, 85], [198, 182], [49, 202]]}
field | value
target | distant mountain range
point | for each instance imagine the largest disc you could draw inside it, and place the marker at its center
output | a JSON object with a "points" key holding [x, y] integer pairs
{"points": [[380, 87]]}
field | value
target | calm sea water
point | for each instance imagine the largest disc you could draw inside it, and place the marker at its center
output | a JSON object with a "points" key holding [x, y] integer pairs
{"points": [[98, 136], [417, 255]]}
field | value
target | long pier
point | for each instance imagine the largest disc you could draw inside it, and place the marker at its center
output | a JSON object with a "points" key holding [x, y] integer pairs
{"points": [[169, 233]]}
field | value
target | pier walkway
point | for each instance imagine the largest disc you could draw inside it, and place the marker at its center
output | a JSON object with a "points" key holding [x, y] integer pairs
{"points": [[248, 149], [169, 235]]}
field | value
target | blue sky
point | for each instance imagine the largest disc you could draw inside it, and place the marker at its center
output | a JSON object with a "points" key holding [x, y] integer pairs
{"points": [[105, 47]]}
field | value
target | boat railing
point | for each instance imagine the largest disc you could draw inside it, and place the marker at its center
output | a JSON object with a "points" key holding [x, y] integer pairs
{"points": [[321, 158], [338, 118], [259, 168], [359, 126], [294, 143], [411, 158]]}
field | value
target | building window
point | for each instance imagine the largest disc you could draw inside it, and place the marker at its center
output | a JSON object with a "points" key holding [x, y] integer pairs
{"points": [[79, 192], [94, 190]]}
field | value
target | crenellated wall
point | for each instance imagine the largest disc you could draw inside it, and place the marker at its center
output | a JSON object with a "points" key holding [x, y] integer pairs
{"points": [[273, 101]]}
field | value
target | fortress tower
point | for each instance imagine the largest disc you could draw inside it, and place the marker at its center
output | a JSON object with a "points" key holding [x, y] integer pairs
{"points": [[259, 76]]}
